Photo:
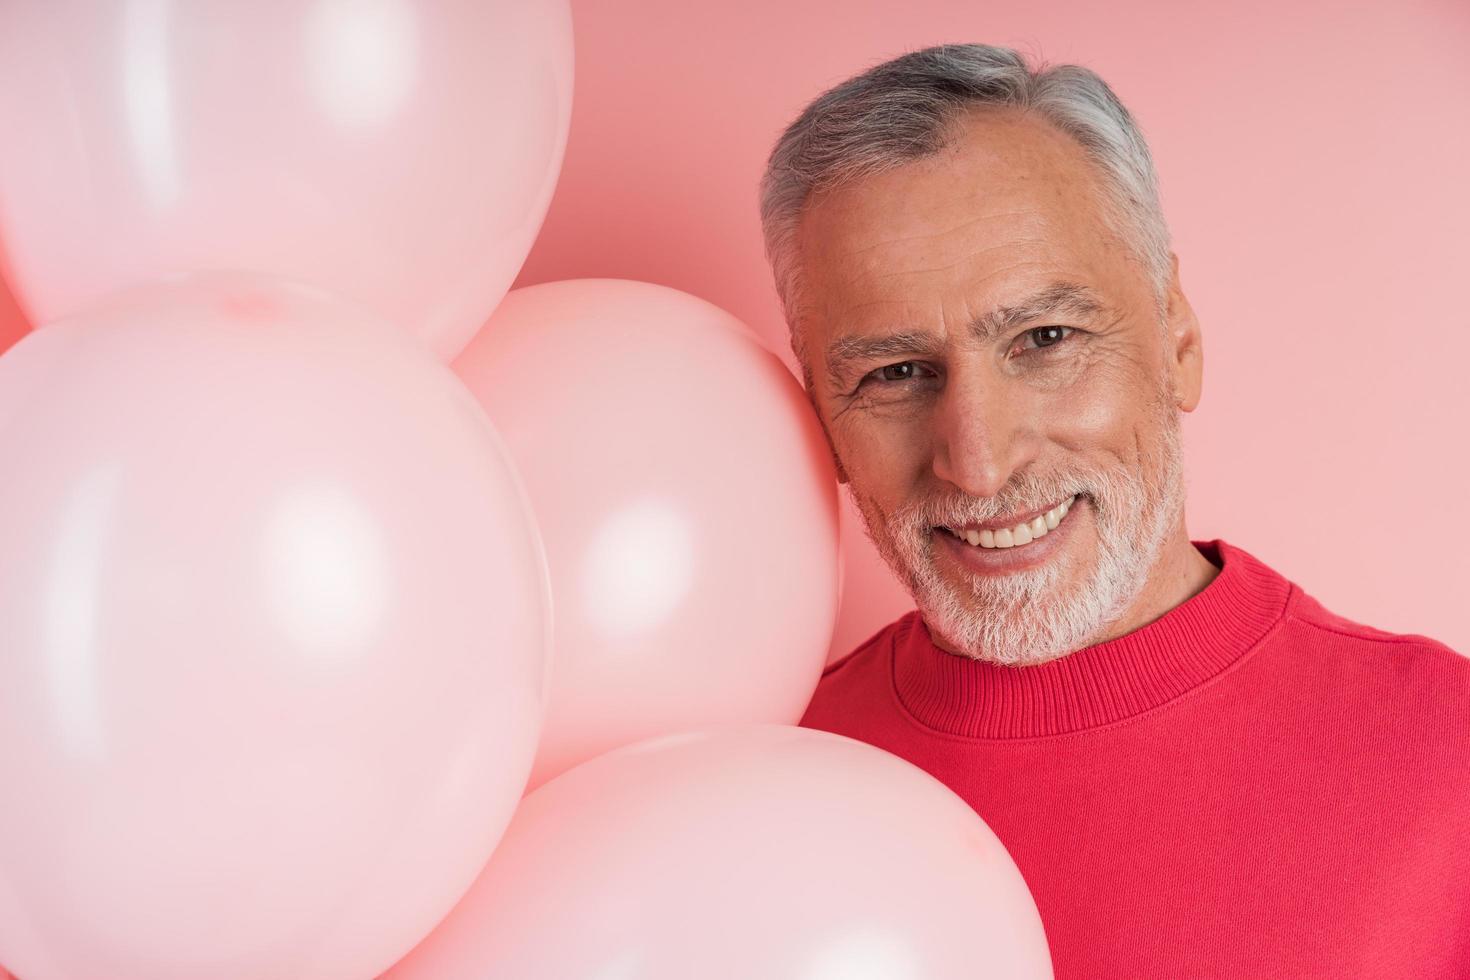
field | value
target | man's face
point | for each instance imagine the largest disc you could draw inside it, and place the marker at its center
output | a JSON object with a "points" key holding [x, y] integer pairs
{"points": [[981, 348]]}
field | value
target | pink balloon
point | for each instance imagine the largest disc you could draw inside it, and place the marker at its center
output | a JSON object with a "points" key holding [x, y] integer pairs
{"points": [[401, 153], [763, 851], [688, 504], [273, 617]]}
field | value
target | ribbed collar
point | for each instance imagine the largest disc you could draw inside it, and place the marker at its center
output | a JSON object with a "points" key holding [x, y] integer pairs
{"points": [[1100, 684]]}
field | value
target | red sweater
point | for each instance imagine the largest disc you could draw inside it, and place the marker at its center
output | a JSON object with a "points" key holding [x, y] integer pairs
{"points": [[1248, 787]]}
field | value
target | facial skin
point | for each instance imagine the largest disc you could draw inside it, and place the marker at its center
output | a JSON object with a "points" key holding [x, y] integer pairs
{"points": [[948, 425]]}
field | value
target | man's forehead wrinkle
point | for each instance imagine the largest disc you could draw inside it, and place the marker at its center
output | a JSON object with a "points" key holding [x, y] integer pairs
{"points": [[851, 308], [940, 233], [1039, 244]]}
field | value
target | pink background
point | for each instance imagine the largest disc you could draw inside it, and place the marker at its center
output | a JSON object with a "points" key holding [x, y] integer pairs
{"points": [[1312, 156]]}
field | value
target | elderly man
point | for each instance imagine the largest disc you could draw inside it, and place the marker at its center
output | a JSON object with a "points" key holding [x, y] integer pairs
{"points": [[1199, 770]]}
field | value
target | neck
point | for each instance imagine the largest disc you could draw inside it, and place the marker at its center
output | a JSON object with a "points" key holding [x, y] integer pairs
{"points": [[1180, 573]]}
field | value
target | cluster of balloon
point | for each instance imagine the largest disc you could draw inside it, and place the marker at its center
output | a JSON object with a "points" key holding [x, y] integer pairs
{"points": [[354, 612]]}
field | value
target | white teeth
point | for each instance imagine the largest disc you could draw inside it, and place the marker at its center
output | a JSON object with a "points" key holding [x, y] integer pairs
{"points": [[1012, 537]]}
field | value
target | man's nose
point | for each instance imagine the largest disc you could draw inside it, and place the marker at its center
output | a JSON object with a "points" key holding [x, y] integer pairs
{"points": [[984, 434]]}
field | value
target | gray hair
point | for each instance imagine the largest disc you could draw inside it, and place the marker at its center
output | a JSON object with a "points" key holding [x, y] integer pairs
{"points": [[901, 110]]}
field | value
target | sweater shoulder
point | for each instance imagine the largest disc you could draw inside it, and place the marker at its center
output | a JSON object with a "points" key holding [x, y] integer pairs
{"points": [[1396, 704], [1424, 678], [1309, 610]]}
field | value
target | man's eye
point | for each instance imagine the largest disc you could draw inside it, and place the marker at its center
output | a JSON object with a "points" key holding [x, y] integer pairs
{"points": [[902, 371], [1049, 336]]}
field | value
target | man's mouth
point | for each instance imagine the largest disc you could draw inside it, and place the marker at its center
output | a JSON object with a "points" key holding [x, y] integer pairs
{"points": [[1012, 535]]}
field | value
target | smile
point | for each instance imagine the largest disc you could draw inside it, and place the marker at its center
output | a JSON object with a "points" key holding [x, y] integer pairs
{"points": [[1016, 536]]}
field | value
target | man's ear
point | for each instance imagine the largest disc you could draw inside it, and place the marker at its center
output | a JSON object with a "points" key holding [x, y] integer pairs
{"points": [[1185, 352]]}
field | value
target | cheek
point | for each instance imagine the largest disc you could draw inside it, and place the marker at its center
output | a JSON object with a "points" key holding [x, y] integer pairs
{"points": [[1102, 409], [883, 450]]}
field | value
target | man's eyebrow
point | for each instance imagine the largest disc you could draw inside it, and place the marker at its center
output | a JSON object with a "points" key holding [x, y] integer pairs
{"points": [[845, 351], [1057, 299]]}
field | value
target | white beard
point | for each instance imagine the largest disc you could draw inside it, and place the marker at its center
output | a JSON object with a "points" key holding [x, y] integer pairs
{"points": [[1031, 616]]}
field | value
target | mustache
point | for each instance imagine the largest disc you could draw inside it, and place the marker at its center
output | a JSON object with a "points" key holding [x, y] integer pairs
{"points": [[948, 510]]}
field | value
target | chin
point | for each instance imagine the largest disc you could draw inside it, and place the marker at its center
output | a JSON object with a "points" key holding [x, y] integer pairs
{"points": [[1020, 620], [1005, 655]]}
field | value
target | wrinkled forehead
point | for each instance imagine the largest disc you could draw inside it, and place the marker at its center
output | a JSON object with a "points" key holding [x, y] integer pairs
{"points": [[1009, 197]]}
